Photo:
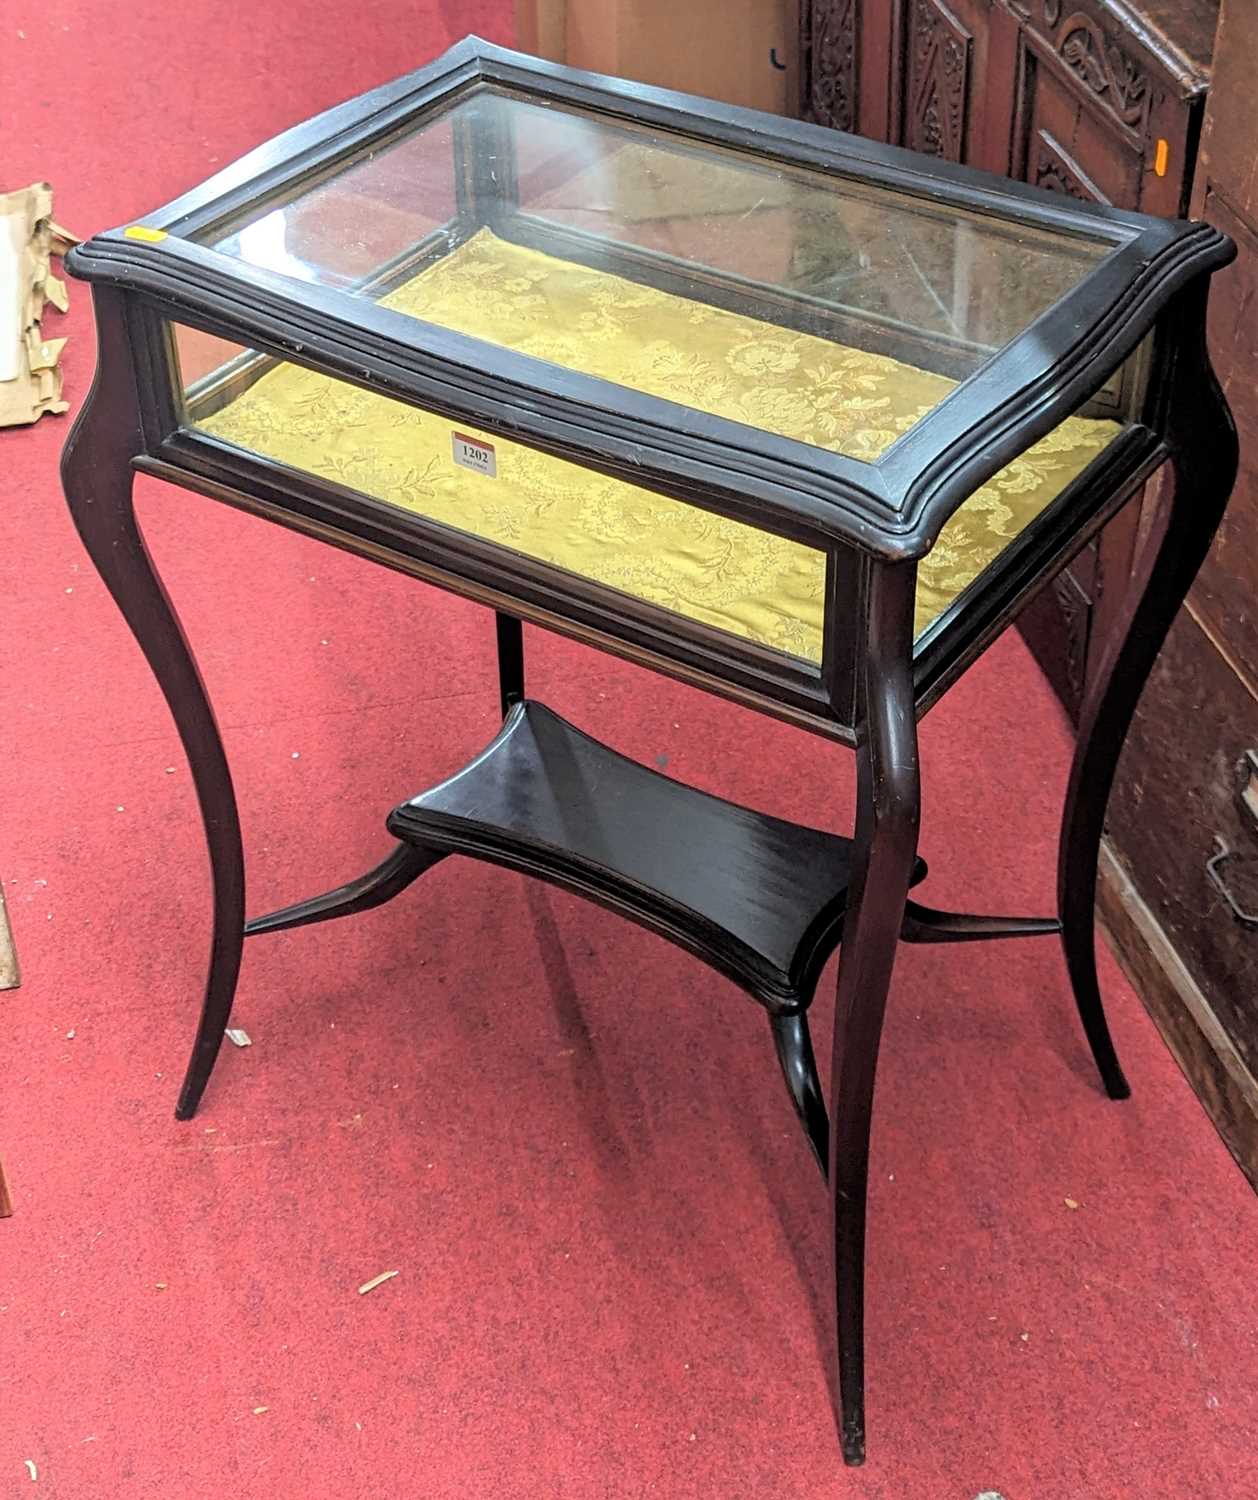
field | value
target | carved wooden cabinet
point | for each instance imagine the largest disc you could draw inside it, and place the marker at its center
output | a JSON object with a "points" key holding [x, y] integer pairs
{"points": [[1181, 897], [1106, 99], [1100, 99]]}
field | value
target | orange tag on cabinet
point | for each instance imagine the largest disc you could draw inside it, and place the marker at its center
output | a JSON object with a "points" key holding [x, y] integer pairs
{"points": [[1161, 156]]}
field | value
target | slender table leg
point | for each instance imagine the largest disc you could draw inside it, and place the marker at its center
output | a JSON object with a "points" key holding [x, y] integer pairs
{"points": [[793, 1043], [887, 815], [394, 874], [510, 635], [97, 477], [925, 924], [1203, 457]]}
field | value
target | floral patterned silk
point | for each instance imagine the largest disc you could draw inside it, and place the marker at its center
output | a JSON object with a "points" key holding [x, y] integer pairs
{"points": [[721, 572]]}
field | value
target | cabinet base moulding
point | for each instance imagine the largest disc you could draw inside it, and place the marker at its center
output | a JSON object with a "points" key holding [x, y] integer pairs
{"points": [[1213, 1067]]}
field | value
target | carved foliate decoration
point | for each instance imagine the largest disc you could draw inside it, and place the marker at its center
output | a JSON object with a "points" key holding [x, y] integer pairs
{"points": [[1059, 175], [937, 81], [832, 63], [1051, 174], [1052, 11], [1102, 65]]}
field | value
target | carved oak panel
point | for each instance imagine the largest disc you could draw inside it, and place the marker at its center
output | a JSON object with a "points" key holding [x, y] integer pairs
{"points": [[1053, 167], [1061, 141], [1109, 73], [829, 63], [937, 80]]}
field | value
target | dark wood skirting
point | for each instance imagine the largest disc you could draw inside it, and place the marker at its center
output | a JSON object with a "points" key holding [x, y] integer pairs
{"points": [[1219, 1077]]}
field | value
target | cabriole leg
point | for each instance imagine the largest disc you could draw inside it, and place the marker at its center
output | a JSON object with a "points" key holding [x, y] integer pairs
{"points": [[510, 638], [97, 477], [887, 815], [1203, 463]]}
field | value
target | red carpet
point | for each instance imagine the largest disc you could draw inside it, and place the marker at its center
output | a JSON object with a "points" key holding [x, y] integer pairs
{"points": [[568, 1139]]}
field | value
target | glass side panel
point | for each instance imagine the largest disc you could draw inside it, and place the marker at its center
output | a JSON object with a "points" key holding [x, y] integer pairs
{"points": [[721, 573], [713, 277], [345, 230], [718, 572]]}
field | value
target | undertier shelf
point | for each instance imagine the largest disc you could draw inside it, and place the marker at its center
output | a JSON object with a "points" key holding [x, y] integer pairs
{"points": [[759, 899]]}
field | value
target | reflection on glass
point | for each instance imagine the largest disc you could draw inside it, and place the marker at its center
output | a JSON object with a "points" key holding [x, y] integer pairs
{"points": [[555, 194], [369, 214]]}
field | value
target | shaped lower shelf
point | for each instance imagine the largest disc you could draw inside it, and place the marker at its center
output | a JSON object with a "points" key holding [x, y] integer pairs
{"points": [[759, 899]]}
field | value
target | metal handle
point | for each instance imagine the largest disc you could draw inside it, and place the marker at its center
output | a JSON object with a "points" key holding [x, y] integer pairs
{"points": [[1214, 871]]}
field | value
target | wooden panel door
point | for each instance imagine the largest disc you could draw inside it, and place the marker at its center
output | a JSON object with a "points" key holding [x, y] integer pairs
{"points": [[933, 75], [944, 64], [957, 94], [1066, 137], [830, 38], [1102, 115]]}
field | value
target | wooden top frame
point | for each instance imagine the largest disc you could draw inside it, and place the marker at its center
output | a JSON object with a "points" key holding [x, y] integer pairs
{"points": [[893, 508]]}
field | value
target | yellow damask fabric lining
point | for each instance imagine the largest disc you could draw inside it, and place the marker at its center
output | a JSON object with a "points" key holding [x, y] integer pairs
{"points": [[756, 585]]}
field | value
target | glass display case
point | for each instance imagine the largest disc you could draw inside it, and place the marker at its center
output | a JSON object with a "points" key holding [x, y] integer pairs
{"points": [[796, 417]]}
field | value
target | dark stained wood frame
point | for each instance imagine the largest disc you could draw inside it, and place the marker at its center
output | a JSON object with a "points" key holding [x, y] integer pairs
{"points": [[873, 521]]}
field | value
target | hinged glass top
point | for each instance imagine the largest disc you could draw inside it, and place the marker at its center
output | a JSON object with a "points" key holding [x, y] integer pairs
{"points": [[787, 299], [815, 306]]}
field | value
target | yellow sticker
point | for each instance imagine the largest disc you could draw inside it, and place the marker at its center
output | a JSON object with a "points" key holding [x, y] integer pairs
{"points": [[143, 232]]}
